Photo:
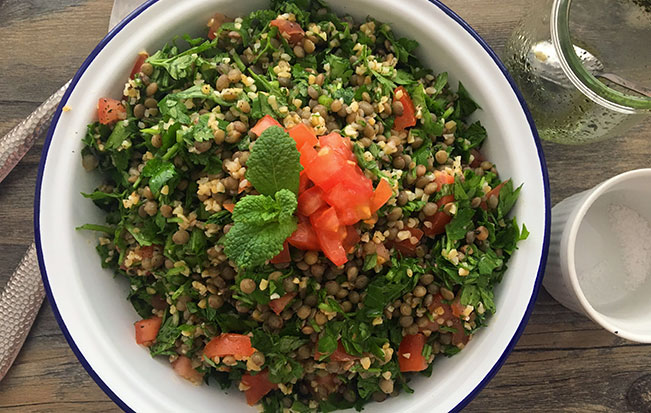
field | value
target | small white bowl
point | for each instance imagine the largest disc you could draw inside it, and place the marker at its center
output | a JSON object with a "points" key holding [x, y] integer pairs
{"points": [[586, 271], [89, 303]]}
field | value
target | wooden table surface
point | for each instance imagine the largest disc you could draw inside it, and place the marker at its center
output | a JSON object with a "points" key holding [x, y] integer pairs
{"points": [[563, 362]]}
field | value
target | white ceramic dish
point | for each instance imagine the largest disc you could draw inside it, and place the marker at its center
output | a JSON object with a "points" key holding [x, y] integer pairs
{"points": [[586, 272], [90, 304]]}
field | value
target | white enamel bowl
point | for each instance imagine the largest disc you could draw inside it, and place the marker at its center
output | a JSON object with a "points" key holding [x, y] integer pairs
{"points": [[90, 304]]}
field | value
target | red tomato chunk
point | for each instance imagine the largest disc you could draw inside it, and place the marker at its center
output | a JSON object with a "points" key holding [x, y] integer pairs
{"points": [[408, 117], [290, 31], [406, 246], [110, 111], [304, 238], [283, 256], [410, 353], [448, 315], [229, 344], [263, 124], [147, 330], [257, 386], [303, 135], [183, 367], [215, 23], [279, 304], [310, 201], [440, 219], [382, 194], [142, 56]]}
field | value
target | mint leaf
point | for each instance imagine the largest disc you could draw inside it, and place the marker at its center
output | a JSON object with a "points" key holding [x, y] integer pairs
{"points": [[274, 163], [261, 226]]}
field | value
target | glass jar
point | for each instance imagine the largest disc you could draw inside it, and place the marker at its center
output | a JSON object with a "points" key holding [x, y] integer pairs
{"points": [[582, 66]]}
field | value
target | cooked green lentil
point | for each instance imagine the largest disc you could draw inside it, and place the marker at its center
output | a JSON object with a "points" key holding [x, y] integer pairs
{"points": [[181, 156]]}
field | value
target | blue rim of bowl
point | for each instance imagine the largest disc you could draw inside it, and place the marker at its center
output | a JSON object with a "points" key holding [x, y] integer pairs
{"points": [[39, 181]]}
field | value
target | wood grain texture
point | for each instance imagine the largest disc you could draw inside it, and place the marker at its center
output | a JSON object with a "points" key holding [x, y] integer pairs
{"points": [[563, 362]]}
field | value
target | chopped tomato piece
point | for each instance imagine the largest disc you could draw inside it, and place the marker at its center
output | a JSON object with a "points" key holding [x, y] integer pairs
{"points": [[442, 178], [265, 122], [440, 219], [303, 182], [229, 206], [381, 195], [279, 304], [303, 135], [348, 216], [325, 220], [445, 200], [440, 314], [110, 111], [310, 201], [257, 386], [147, 330], [447, 312], [183, 367], [408, 117], [338, 355], [406, 246], [323, 169], [291, 31], [304, 238], [457, 308], [142, 56], [229, 344], [215, 23], [440, 309], [351, 239], [410, 353], [326, 225], [353, 197], [332, 247], [495, 191], [341, 145], [308, 155], [283, 256], [450, 314]]}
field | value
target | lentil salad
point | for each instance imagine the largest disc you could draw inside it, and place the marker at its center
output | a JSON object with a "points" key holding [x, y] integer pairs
{"points": [[289, 320]]}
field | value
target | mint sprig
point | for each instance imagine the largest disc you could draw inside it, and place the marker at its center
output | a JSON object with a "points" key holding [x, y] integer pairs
{"points": [[262, 223], [274, 163]]}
